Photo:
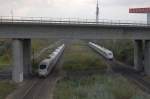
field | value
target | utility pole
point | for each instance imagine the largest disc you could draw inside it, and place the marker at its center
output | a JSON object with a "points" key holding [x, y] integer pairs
{"points": [[97, 12], [12, 14]]}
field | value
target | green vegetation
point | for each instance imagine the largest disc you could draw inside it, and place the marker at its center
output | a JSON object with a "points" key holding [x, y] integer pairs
{"points": [[5, 53], [39, 44], [5, 89], [5, 59], [78, 56], [98, 87]]}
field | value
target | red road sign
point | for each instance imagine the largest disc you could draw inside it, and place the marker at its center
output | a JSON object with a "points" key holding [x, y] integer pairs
{"points": [[139, 10]]}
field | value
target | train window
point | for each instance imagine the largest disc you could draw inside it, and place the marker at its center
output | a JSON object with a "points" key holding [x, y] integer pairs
{"points": [[42, 66], [109, 54]]}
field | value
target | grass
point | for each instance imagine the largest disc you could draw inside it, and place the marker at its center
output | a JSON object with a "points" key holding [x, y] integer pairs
{"points": [[4, 62], [4, 67], [4, 59], [39, 44], [98, 87], [5, 89], [79, 56]]}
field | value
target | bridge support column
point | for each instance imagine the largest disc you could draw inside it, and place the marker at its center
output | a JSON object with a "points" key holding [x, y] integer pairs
{"points": [[27, 68], [148, 18], [138, 55], [147, 57], [17, 53]]}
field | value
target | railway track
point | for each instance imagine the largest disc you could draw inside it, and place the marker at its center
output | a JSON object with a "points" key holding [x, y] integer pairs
{"points": [[130, 74], [43, 88], [40, 88], [37, 88]]}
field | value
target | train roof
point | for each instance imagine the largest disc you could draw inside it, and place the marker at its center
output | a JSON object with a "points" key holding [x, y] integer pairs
{"points": [[45, 61], [56, 51], [106, 50], [102, 48]]}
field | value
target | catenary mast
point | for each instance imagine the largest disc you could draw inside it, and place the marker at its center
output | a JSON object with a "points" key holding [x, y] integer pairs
{"points": [[97, 11]]}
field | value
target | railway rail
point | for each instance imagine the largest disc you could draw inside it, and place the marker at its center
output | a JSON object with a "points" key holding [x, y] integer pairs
{"points": [[131, 74], [37, 88], [42, 89]]}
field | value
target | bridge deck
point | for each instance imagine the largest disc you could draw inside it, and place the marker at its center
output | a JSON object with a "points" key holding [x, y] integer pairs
{"points": [[17, 27], [78, 21]]}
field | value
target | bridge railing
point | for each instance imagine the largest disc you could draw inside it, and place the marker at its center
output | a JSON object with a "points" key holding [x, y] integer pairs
{"points": [[44, 20]]}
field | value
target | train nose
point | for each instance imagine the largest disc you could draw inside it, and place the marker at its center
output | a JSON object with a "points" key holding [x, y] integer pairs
{"points": [[42, 72]]}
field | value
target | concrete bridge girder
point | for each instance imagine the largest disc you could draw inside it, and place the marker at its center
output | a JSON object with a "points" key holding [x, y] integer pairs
{"points": [[71, 31]]}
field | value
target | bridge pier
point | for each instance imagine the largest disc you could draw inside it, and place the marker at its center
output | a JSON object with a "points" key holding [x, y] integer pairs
{"points": [[17, 53], [138, 55], [27, 68], [147, 57], [21, 52], [148, 18]]}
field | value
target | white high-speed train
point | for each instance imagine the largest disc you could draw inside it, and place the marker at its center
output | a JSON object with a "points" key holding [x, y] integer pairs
{"points": [[46, 66], [103, 51]]}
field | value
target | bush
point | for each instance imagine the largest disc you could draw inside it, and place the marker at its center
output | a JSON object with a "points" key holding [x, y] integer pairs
{"points": [[81, 57]]}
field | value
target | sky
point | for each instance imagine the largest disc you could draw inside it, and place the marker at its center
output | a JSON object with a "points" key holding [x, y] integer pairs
{"points": [[109, 9]]}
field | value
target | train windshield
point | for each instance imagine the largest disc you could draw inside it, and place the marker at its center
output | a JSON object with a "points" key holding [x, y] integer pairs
{"points": [[109, 53], [42, 66]]}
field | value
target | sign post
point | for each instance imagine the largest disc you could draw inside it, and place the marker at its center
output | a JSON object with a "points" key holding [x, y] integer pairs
{"points": [[141, 10], [148, 18]]}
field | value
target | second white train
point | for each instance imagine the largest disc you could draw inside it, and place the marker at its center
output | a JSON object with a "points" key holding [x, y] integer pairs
{"points": [[103, 51]]}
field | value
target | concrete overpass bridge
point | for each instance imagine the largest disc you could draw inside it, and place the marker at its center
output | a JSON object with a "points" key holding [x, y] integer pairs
{"points": [[22, 30]]}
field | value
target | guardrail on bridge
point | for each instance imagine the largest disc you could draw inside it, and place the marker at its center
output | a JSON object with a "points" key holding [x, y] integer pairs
{"points": [[46, 20]]}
